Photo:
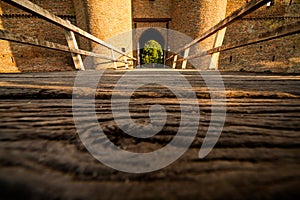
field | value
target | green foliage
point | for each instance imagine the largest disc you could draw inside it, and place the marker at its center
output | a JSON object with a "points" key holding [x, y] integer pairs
{"points": [[152, 53]]}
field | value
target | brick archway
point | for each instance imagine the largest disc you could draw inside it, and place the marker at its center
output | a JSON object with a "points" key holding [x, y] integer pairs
{"points": [[150, 34]]}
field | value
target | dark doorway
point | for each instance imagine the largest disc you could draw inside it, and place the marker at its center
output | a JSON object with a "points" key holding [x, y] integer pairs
{"points": [[151, 35]]}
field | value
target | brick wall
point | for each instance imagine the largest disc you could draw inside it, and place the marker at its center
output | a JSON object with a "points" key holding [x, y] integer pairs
{"points": [[152, 9], [80, 10], [107, 18], [18, 57], [280, 55], [195, 17]]}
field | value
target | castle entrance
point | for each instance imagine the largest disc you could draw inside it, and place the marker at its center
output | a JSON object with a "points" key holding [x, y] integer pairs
{"points": [[151, 40], [151, 47]]}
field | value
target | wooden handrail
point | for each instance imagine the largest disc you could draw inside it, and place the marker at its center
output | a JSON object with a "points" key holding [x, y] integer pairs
{"points": [[244, 10], [270, 35], [37, 10], [6, 35]]}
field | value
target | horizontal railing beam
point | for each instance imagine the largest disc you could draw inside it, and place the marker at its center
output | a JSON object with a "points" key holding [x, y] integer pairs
{"points": [[283, 31], [244, 10], [5, 35], [37, 10]]}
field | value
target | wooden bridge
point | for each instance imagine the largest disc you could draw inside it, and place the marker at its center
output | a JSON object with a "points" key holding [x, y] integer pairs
{"points": [[257, 155], [42, 157]]}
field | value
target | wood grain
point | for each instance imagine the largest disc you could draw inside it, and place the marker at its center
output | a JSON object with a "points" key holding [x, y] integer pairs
{"points": [[256, 157]]}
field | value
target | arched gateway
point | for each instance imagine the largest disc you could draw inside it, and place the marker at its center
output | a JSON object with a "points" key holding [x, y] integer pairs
{"points": [[150, 35]]}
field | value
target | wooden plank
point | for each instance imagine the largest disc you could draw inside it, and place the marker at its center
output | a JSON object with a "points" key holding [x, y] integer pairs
{"points": [[73, 45], [42, 156], [6, 35], [152, 19], [174, 61], [126, 65], [186, 54], [37, 10], [270, 35], [113, 55], [283, 31], [244, 10], [214, 63]]}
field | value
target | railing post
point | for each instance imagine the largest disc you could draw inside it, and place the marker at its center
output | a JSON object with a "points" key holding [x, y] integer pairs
{"points": [[174, 61], [186, 54], [72, 43], [126, 63], [113, 56], [214, 63]]}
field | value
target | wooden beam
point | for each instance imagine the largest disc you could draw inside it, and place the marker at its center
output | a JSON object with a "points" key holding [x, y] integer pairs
{"points": [[244, 10], [214, 63], [186, 54], [113, 56], [72, 43], [126, 65], [5, 35], [270, 35], [152, 19], [37, 10], [174, 62]]}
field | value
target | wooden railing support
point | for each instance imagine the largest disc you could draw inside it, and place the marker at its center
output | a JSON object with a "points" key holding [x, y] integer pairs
{"points": [[72, 43], [39, 11], [14, 37], [282, 31], [214, 63], [175, 61], [238, 14], [114, 59], [126, 63], [186, 54]]}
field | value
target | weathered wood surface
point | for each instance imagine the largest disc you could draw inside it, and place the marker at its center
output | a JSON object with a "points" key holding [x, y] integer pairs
{"points": [[257, 156]]}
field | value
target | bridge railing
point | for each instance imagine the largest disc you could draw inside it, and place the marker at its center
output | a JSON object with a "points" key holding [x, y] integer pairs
{"points": [[70, 29], [220, 29]]}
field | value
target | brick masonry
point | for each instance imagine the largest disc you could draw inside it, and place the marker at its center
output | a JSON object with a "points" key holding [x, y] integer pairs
{"points": [[24, 58], [280, 55], [107, 18]]}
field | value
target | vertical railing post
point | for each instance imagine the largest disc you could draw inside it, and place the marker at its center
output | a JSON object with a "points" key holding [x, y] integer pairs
{"points": [[175, 61], [186, 54], [72, 43], [214, 64], [113, 56], [126, 63], [125, 59]]}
